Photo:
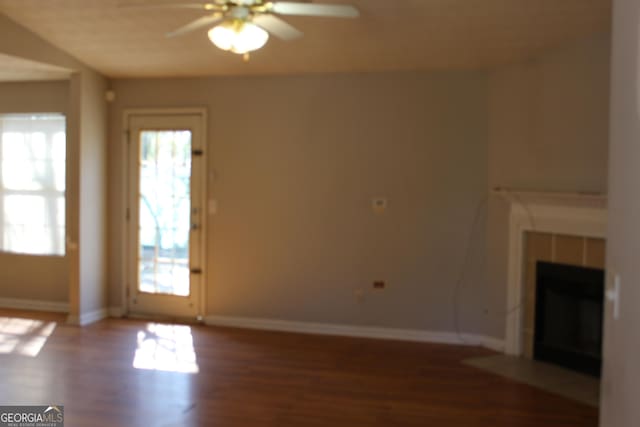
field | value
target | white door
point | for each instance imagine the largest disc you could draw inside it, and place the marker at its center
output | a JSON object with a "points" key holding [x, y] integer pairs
{"points": [[165, 214]]}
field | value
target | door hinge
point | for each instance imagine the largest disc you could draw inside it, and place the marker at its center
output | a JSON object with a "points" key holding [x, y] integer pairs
{"points": [[197, 152], [196, 271], [127, 214], [127, 135]]}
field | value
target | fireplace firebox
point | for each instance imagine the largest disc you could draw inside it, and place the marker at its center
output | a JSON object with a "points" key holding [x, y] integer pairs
{"points": [[568, 316]]}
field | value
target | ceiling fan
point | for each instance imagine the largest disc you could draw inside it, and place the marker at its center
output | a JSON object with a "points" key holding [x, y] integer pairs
{"points": [[242, 26]]}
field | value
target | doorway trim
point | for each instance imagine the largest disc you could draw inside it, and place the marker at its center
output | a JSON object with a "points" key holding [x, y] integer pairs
{"points": [[125, 158]]}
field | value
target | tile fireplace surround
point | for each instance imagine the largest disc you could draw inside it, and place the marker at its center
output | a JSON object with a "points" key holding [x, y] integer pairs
{"points": [[567, 228], [557, 248]]}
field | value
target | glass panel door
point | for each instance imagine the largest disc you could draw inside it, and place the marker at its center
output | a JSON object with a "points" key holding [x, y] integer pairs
{"points": [[166, 224]]}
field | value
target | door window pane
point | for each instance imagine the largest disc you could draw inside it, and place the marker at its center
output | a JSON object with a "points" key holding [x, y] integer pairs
{"points": [[164, 212]]}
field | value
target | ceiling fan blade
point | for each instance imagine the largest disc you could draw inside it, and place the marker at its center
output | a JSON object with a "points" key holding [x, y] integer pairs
{"points": [[277, 27], [199, 6], [197, 24], [313, 9]]}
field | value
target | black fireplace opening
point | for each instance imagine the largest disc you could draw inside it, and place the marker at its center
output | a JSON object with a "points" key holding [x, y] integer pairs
{"points": [[569, 315]]}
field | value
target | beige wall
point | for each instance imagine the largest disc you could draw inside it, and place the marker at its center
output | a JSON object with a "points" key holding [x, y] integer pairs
{"points": [[548, 131], [621, 380], [548, 121], [83, 101], [296, 162], [88, 183], [30, 97], [93, 194], [22, 276]]}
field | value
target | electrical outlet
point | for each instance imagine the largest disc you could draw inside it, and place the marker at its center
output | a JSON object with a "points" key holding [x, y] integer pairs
{"points": [[379, 284]]}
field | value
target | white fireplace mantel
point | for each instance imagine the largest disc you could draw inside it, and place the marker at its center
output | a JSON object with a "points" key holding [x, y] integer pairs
{"points": [[575, 214]]}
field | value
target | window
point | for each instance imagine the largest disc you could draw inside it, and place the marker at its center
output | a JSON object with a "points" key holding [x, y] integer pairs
{"points": [[32, 184]]}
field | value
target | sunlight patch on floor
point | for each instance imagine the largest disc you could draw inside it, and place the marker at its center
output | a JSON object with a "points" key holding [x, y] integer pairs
{"points": [[166, 348], [24, 337]]}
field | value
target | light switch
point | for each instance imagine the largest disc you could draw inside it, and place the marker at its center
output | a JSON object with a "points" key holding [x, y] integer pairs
{"points": [[212, 206], [379, 204], [613, 296]]}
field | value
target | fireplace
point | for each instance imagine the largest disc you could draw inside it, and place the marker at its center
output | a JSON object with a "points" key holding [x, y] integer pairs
{"points": [[569, 316], [573, 226]]}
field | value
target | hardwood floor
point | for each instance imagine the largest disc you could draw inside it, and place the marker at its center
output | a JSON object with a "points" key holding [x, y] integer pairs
{"points": [[253, 378]]}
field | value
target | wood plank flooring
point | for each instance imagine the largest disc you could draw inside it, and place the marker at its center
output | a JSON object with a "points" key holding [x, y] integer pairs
{"points": [[254, 378]]}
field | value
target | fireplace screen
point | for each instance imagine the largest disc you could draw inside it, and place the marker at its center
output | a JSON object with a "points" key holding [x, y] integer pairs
{"points": [[569, 312]]}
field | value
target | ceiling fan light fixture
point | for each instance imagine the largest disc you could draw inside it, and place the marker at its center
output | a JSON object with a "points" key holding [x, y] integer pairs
{"points": [[238, 36]]}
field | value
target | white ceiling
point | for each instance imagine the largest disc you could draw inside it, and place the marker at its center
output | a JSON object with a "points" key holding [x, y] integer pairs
{"points": [[13, 69], [390, 35]]}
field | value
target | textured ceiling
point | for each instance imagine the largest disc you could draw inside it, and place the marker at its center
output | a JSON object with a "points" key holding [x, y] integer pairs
{"points": [[390, 35], [14, 69]]}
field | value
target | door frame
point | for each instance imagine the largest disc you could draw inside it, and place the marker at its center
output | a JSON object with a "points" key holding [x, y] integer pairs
{"points": [[127, 257]]}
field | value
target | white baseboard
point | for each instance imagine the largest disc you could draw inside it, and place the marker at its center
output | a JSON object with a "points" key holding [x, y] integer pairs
{"points": [[491, 343], [116, 312], [35, 305], [356, 331], [88, 318]]}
